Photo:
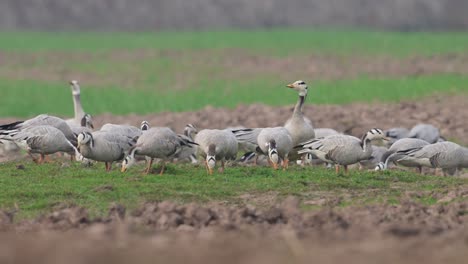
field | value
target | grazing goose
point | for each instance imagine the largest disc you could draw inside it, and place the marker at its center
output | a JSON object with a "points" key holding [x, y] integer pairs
{"points": [[396, 133], [276, 143], [425, 132], [446, 155], [189, 153], [43, 140], [43, 119], [374, 159], [215, 144], [157, 142], [403, 144], [104, 146], [342, 149], [312, 159], [124, 130]]}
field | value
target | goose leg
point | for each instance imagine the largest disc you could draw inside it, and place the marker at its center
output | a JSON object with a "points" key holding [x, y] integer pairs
{"points": [[33, 158], [148, 167], [163, 166], [420, 170], [108, 166], [221, 169], [286, 162], [256, 160], [346, 169], [337, 168], [360, 167], [41, 159]]}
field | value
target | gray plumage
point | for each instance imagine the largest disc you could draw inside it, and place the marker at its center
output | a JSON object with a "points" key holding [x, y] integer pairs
{"points": [[86, 125], [342, 149], [215, 144], [425, 132], [402, 145], [445, 155], [124, 130], [156, 143], [104, 146], [189, 153], [43, 120], [374, 159], [275, 142], [324, 132], [41, 139], [396, 133]]}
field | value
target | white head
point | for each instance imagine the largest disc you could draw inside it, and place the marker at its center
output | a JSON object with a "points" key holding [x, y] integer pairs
{"points": [[211, 158], [375, 134], [75, 87], [144, 125], [380, 166], [85, 138], [299, 86], [87, 121], [190, 130], [127, 162], [273, 153]]}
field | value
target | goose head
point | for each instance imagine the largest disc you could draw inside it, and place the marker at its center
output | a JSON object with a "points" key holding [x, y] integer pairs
{"points": [[127, 163], [190, 130], [87, 121], [144, 125], [380, 166], [375, 134], [211, 158], [300, 86], [273, 153], [75, 87], [84, 138]]}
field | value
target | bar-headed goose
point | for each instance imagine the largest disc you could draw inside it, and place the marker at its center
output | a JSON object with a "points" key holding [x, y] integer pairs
{"points": [[144, 125], [276, 143], [40, 120], [85, 126], [156, 143], [79, 112], [298, 125], [104, 146], [446, 155], [404, 144], [215, 144], [342, 149], [43, 140], [425, 132]]}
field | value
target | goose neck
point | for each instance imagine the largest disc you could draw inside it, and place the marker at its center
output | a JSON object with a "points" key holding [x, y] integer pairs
{"points": [[79, 113], [298, 106]]}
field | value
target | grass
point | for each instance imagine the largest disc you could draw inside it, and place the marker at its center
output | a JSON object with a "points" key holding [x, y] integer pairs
{"points": [[121, 101], [278, 41], [39, 189]]}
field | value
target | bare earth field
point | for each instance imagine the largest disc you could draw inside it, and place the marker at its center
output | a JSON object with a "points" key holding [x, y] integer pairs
{"points": [[449, 113], [166, 232]]}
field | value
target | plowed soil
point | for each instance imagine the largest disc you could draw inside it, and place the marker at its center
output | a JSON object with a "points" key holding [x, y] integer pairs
{"points": [[169, 233]]}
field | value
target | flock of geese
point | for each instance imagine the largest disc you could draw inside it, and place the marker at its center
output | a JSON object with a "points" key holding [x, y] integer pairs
{"points": [[297, 140]]}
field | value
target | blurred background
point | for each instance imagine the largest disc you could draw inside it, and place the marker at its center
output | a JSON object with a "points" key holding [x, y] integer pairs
{"points": [[138, 15]]}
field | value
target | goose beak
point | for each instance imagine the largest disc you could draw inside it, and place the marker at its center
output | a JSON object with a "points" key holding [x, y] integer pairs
{"points": [[386, 138], [290, 86], [123, 169], [91, 126]]}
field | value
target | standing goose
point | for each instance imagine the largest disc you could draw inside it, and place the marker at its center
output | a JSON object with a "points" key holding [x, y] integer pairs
{"points": [[157, 142], [298, 125], [215, 144], [276, 143], [40, 120], [43, 140], [79, 112], [309, 158], [342, 149], [104, 146], [446, 155], [403, 144]]}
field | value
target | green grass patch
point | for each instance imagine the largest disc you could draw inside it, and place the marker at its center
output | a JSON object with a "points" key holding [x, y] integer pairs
{"points": [[277, 41], [39, 189], [27, 98]]}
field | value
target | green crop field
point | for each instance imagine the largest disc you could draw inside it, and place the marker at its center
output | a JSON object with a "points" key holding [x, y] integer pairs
{"points": [[38, 189], [181, 71]]}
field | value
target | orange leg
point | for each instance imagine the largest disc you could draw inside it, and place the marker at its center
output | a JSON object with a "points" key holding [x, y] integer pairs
{"points": [[337, 168], [148, 168], [163, 166], [221, 169]]}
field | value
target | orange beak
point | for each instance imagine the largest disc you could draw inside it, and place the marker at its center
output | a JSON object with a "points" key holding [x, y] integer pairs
{"points": [[210, 171], [123, 169], [290, 86]]}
